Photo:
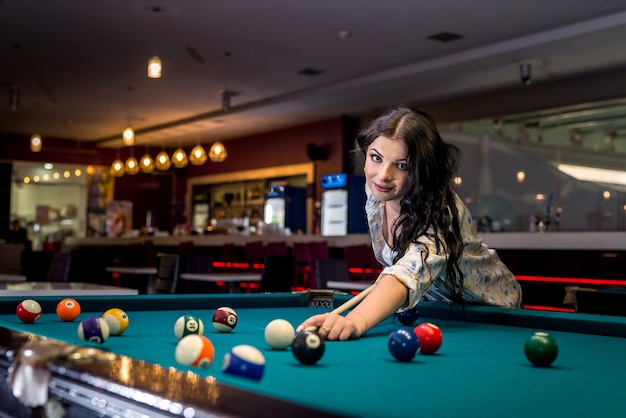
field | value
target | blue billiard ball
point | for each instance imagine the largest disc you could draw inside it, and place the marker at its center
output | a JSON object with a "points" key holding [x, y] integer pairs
{"points": [[245, 361], [93, 329], [403, 344], [409, 316]]}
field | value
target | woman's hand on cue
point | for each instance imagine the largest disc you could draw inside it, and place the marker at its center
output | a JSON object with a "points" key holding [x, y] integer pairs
{"points": [[332, 326]]}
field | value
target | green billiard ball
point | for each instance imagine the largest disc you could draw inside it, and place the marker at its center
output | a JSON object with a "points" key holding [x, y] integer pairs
{"points": [[541, 349]]}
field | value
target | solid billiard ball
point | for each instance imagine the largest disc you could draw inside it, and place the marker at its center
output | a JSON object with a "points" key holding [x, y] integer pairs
{"points": [[188, 324], [195, 350], [430, 337], [308, 347], [28, 311], [403, 345], [93, 329], [224, 319], [117, 320], [244, 361], [279, 334], [408, 317], [541, 349], [68, 309]]}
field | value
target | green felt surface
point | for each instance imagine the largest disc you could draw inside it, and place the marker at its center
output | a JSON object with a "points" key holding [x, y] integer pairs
{"points": [[480, 370]]}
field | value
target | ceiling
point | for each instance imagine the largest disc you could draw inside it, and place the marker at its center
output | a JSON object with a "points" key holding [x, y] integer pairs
{"points": [[78, 70]]}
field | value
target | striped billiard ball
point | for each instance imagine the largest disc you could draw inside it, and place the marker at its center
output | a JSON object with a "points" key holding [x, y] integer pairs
{"points": [[117, 320], [188, 324], [224, 319], [245, 361], [93, 329], [28, 311], [195, 350]]}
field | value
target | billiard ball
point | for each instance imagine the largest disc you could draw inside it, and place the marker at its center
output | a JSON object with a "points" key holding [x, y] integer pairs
{"points": [[244, 361], [430, 337], [117, 320], [28, 311], [308, 347], [224, 319], [403, 345], [195, 350], [408, 317], [188, 324], [68, 309], [279, 334], [93, 329], [541, 349]]}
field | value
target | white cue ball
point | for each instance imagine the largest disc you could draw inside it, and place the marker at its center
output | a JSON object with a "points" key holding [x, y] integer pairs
{"points": [[279, 334]]}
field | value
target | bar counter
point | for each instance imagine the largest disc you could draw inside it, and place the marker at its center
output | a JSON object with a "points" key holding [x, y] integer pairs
{"points": [[570, 240], [217, 240]]}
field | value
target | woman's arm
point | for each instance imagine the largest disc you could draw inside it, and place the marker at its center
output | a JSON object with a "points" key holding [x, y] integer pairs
{"points": [[388, 295]]}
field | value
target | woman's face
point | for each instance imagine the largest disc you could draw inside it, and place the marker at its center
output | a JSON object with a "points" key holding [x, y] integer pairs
{"points": [[386, 169]]}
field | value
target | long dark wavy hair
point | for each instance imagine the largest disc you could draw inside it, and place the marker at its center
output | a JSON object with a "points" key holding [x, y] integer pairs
{"points": [[429, 207]]}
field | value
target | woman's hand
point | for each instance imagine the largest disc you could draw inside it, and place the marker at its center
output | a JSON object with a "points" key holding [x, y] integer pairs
{"points": [[335, 327]]}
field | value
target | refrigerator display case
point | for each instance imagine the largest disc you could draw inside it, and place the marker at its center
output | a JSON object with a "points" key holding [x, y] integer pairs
{"points": [[285, 208], [343, 205]]}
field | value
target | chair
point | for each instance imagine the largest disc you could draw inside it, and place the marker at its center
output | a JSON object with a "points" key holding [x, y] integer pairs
{"points": [[60, 267], [167, 276], [301, 262], [361, 262], [255, 254], [327, 269], [278, 248], [277, 274]]}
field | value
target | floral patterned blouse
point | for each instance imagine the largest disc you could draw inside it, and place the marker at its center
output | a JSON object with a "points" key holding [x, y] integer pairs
{"points": [[486, 279]]}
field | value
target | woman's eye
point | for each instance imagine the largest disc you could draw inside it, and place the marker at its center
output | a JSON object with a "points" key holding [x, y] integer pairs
{"points": [[376, 158], [403, 166]]}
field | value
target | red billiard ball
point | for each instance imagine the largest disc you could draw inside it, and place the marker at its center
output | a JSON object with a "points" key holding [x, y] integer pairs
{"points": [[541, 349], [68, 309], [195, 350], [224, 319], [308, 347], [430, 337], [403, 345], [28, 311]]}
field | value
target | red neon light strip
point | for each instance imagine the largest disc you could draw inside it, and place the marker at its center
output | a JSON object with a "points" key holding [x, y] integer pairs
{"points": [[598, 282], [549, 308]]}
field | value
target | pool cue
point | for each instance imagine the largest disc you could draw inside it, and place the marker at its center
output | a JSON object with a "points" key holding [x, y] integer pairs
{"points": [[347, 304], [353, 301]]}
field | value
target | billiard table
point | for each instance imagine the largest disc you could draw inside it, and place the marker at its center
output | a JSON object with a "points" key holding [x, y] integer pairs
{"points": [[479, 371]]}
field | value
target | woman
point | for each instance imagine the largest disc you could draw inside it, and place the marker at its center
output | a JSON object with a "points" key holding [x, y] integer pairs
{"points": [[421, 231]]}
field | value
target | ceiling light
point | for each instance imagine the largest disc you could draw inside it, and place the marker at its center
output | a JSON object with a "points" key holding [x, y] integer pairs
{"points": [[217, 153], [48, 165], [598, 175], [35, 143], [198, 155], [131, 166], [147, 163], [117, 168], [128, 136], [179, 158], [162, 161], [154, 67]]}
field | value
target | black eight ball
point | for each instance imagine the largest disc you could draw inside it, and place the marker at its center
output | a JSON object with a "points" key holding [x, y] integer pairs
{"points": [[308, 347]]}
